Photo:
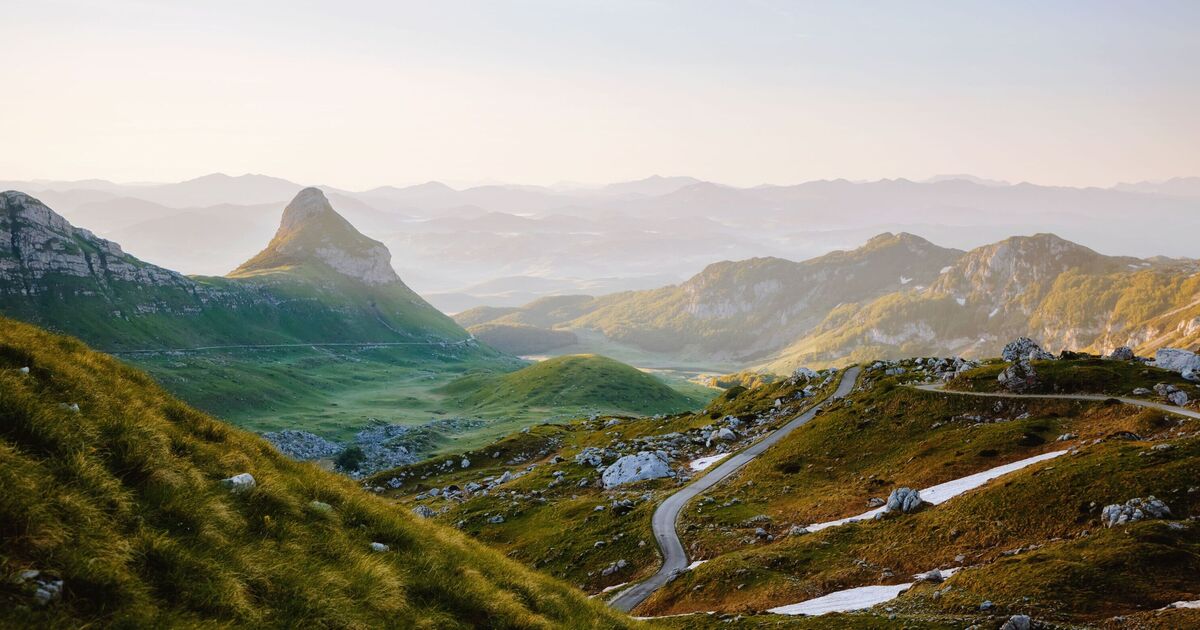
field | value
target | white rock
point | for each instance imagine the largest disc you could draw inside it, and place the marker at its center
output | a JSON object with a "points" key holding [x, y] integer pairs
{"points": [[239, 483], [904, 500], [379, 547], [1176, 360], [645, 465]]}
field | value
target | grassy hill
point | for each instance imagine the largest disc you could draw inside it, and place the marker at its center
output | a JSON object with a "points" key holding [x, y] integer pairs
{"points": [[573, 382], [122, 501], [520, 339]]}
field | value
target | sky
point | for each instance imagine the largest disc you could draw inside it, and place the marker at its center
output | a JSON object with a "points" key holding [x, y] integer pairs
{"points": [[357, 94]]}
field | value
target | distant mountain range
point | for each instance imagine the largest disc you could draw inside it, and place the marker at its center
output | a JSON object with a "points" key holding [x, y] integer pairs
{"points": [[453, 245], [896, 296], [319, 280]]}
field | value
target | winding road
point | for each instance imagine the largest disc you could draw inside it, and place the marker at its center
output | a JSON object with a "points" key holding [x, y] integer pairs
{"points": [[667, 514], [1148, 404]]}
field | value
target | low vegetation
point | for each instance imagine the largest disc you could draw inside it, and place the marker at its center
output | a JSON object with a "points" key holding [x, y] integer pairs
{"points": [[111, 488]]}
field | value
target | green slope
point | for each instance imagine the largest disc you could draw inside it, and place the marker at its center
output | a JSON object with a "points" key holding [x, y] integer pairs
{"points": [[572, 382], [121, 501]]}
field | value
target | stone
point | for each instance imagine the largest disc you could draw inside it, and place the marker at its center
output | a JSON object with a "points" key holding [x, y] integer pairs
{"points": [[1178, 398], [1017, 622], [303, 445], [239, 483], [1024, 349], [1124, 353], [1142, 391], [933, 577], [904, 500], [1134, 510], [1018, 377], [797, 530], [24, 370], [986, 605], [466, 463], [1176, 359], [726, 435], [641, 467], [496, 520], [379, 547], [424, 511], [320, 506], [1191, 374]]}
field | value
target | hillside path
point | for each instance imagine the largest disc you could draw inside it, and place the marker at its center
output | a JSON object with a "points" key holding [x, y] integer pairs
{"points": [[327, 344], [1149, 404], [665, 517]]}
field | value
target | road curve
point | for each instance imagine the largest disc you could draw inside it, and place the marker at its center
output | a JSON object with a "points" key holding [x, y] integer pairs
{"points": [[1149, 404], [665, 517]]}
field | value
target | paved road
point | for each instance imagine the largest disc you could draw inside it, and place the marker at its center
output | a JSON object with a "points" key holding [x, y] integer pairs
{"points": [[665, 517], [1149, 404]]}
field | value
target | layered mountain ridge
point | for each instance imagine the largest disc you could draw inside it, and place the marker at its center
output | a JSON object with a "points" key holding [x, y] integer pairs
{"points": [[319, 280], [896, 296]]}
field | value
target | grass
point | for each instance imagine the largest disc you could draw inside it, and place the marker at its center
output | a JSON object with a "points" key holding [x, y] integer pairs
{"points": [[554, 526], [1088, 375], [121, 500], [571, 382], [887, 436]]}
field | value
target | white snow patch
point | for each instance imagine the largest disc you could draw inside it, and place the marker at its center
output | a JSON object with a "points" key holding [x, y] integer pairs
{"points": [[849, 599], [614, 587], [1192, 604], [945, 269], [945, 491], [961, 301], [705, 462], [695, 564], [904, 280], [994, 312]]}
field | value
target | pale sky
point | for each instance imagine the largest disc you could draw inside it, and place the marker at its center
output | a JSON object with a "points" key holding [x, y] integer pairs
{"points": [[357, 94]]}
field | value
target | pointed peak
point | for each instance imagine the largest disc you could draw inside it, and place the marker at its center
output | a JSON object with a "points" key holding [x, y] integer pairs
{"points": [[312, 232]]}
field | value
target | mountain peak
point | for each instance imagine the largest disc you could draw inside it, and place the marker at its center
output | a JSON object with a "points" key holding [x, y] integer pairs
{"points": [[312, 232]]}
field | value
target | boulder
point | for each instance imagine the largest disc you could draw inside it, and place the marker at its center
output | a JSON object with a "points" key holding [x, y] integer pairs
{"points": [[1017, 622], [726, 435], [904, 500], [1024, 349], [1178, 398], [465, 463], [1176, 360], [1142, 391], [239, 483], [379, 547], [645, 465], [319, 506], [1018, 377], [1134, 510], [424, 511], [1124, 353], [796, 530], [1191, 374], [496, 520], [933, 577]]}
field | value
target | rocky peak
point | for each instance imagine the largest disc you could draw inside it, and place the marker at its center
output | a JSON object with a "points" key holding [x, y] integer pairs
{"points": [[311, 231]]}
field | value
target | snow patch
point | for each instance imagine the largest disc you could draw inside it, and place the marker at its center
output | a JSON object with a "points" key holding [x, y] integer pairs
{"points": [[945, 491], [961, 301], [945, 269], [695, 564], [904, 280], [850, 599], [705, 462]]}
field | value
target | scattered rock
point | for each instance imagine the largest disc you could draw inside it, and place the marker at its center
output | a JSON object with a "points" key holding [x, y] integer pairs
{"points": [[496, 520], [1124, 353], [424, 511], [303, 445], [726, 435], [1179, 399], [1017, 622], [239, 483], [1142, 391], [986, 605], [904, 500], [466, 463], [933, 577], [320, 506], [379, 547], [797, 530], [1134, 510]]}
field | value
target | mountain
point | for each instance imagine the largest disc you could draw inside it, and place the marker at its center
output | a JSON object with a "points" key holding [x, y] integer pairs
{"points": [[652, 186], [115, 514], [1174, 187], [320, 280], [743, 310], [218, 188], [1066, 295]]}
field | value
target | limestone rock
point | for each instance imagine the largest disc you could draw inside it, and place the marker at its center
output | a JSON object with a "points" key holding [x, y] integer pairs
{"points": [[239, 483], [904, 500], [424, 511], [1176, 360], [1024, 349], [645, 465], [1124, 353], [1134, 510], [1017, 622], [1018, 377]]}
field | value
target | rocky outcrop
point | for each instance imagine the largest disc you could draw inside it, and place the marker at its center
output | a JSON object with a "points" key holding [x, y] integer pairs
{"points": [[641, 467], [302, 445], [1019, 377], [1177, 360], [1024, 349], [1134, 510], [903, 501], [1124, 353]]}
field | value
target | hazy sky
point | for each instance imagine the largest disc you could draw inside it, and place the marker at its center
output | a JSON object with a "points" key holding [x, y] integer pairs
{"points": [[357, 94]]}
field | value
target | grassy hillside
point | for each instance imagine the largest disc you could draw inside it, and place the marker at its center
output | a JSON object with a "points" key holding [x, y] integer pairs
{"points": [[572, 382], [122, 501]]}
